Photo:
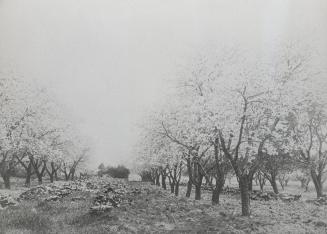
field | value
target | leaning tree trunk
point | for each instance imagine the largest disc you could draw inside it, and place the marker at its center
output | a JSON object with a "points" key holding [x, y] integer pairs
{"points": [[245, 198], [316, 179], [189, 189], [274, 184]]}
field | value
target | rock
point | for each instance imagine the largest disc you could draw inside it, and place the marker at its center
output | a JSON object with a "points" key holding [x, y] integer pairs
{"points": [[7, 201], [78, 199], [320, 224], [52, 198], [289, 197], [321, 201]]}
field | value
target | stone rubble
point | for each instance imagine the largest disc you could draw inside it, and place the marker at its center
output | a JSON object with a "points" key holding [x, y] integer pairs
{"points": [[321, 201], [264, 196], [6, 201], [113, 196]]}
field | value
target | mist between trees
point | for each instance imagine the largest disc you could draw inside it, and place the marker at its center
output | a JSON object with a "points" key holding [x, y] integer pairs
{"points": [[232, 114], [36, 140]]}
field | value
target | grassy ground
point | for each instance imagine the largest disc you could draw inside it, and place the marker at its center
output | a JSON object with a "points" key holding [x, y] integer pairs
{"points": [[157, 211]]}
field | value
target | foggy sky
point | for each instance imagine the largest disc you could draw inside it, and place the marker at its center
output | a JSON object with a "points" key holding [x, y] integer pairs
{"points": [[109, 61]]}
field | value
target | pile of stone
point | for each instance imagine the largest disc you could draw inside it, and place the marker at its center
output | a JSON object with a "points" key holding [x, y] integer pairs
{"points": [[231, 191], [321, 201], [7, 201], [34, 192], [52, 192], [289, 197], [113, 196], [263, 196]]}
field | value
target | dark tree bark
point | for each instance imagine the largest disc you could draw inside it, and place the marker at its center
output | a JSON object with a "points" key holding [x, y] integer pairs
{"points": [[56, 176], [158, 180], [245, 198], [172, 187], [189, 188], [195, 176], [27, 166], [6, 170], [261, 180], [39, 169], [174, 176], [316, 179], [163, 182], [6, 180], [28, 175], [66, 173], [198, 192], [215, 196], [52, 171], [274, 184], [72, 174]]}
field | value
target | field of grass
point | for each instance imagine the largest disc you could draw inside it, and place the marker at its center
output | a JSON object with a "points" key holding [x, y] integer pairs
{"points": [[157, 211]]}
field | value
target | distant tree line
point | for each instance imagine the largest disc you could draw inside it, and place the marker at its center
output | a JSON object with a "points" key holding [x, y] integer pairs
{"points": [[120, 171]]}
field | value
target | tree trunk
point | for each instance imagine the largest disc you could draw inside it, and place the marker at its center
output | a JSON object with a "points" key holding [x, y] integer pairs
{"points": [[28, 174], [66, 176], [72, 174], [316, 179], [163, 182], [39, 178], [6, 180], [6, 169], [172, 187], [274, 184], [189, 188], [245, 198], [220, 182], [198, 192], [215, 196], [56, 175], [158, 180], [262, 184], [176, 189], [51, 175]]}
